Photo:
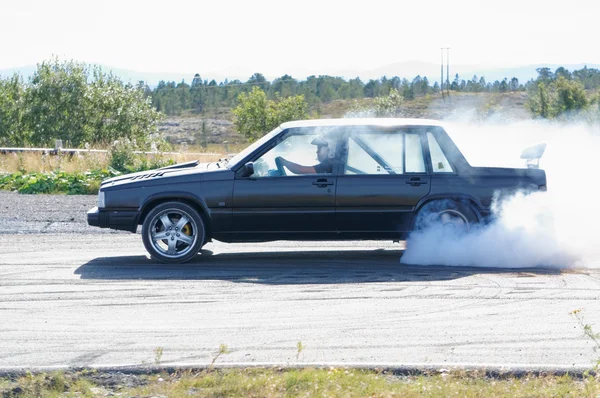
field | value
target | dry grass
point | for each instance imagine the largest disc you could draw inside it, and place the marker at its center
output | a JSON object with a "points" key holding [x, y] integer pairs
{"points": [[333, 382], [432, 106], [36, 162]]}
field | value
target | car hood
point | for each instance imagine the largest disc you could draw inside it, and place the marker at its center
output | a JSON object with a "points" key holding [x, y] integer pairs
{"points": [[169, 171]]}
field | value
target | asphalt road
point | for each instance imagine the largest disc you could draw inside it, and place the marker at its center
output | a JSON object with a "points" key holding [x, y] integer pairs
{"points": [[71, 295]]}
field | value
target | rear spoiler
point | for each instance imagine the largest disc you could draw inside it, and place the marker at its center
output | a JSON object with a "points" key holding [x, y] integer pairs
{"points": [[533, 155]]}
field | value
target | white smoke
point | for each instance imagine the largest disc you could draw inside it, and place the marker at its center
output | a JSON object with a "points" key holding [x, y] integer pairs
{"points": [[558, 228]]}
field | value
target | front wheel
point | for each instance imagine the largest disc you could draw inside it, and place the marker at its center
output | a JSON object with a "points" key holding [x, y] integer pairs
{"points": [[173, 232]]}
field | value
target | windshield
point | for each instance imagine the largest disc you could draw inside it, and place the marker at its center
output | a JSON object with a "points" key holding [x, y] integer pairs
{"points": [[240, 156]]}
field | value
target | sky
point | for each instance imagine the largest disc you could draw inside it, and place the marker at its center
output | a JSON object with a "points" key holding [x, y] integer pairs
{"points": [[278, 37]]}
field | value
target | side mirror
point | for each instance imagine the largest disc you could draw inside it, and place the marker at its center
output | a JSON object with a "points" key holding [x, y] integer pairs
{"points": [[247, 170]]}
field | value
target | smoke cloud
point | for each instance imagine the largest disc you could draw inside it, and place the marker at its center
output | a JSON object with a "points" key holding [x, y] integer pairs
{"points": [[557, 228]]}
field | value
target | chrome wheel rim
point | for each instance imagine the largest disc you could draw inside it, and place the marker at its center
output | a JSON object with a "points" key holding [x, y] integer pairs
{"points": [[452, 220], [173, 233]]}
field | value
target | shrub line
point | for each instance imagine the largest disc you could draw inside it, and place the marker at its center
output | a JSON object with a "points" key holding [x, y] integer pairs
{"points": [[487, 370]]}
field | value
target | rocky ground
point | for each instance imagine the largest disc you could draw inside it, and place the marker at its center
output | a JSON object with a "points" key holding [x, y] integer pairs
{"points": [[217, 128]]}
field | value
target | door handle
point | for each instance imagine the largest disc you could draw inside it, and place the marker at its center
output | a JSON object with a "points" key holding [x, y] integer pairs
{"points": [[415, 182], [322, 182]]}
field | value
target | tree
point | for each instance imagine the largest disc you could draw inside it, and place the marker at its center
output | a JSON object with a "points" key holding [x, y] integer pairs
{"points": [[285, 86], [425, 88], [13, 131], [79, 104], [545, 74], [285, 110], [407, 90], [118, 111], [371, 89], [571, 96], [562, 72], [259, 80], [416, 85], [560, 98], [482, 84], [455, 83], [197, 81], [58, 103], [539, 101], [256, 115], [250, 116]]}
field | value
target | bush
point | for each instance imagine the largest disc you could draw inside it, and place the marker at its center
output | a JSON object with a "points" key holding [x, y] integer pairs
{"points": [[390, 105], [558, 99], [256, 115], [125, 158], [122, 156], [52, 183], [76, 103]]}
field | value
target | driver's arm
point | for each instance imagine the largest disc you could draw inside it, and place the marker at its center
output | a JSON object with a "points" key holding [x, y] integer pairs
{"points": [[297, 168]]}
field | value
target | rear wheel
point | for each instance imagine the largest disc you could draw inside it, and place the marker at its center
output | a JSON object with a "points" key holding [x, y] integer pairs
{"points": [[173, 232], [451, 215]]}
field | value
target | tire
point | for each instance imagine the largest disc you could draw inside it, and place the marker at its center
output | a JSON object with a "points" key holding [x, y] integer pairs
{"points": [[170, 239], [451, 214]]}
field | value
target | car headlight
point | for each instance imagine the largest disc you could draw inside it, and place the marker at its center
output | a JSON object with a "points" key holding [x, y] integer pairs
{"points": [[101, 202]]}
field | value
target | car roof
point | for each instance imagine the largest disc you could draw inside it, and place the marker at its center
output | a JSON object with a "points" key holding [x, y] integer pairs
{"points": [[382, 122]]}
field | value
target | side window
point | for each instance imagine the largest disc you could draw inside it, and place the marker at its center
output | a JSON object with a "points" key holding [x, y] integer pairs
{"points": [[439, 162], [415, 163], [360, 162], [296, 148], [375, 154]]}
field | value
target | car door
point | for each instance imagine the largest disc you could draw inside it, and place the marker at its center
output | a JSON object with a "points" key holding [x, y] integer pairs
{"points": [[270, 204], [383, 178]]}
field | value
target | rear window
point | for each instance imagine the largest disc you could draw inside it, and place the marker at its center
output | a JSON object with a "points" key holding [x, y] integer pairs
{"points": [[439, 161]]}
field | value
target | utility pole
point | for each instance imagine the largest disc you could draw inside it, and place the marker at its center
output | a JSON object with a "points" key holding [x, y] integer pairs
{"points": [[442, 70], [448, 70]]}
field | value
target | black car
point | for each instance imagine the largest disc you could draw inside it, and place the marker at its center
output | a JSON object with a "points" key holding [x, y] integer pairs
{"points": [[346, 179]]}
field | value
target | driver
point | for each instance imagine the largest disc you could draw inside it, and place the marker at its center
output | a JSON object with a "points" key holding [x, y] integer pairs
{"points": [[323, 155]]}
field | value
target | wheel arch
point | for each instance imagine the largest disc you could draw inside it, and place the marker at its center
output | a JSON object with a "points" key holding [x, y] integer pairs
{"points": [[183, 197]]}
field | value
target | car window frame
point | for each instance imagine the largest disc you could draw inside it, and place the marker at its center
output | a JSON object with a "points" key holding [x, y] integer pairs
{"points": [[425, 142], [395, 130], [276, 140], [236, 167]]}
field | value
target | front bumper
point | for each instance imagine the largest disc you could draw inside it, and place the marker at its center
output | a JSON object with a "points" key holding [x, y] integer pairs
{"points": [[121, 220]]}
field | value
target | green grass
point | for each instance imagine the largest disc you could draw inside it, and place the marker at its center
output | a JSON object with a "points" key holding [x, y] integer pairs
{"points": [[308, 382], [69, 182]]}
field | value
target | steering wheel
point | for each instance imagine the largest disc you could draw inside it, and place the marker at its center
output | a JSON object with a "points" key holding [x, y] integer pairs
{"points": [[279, 166]]}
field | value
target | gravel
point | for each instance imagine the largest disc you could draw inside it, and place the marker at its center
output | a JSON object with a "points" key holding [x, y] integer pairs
{"points": [[22, 214]]}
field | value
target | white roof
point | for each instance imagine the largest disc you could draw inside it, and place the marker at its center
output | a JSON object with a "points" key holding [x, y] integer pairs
{"points": [[383, 122]]}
